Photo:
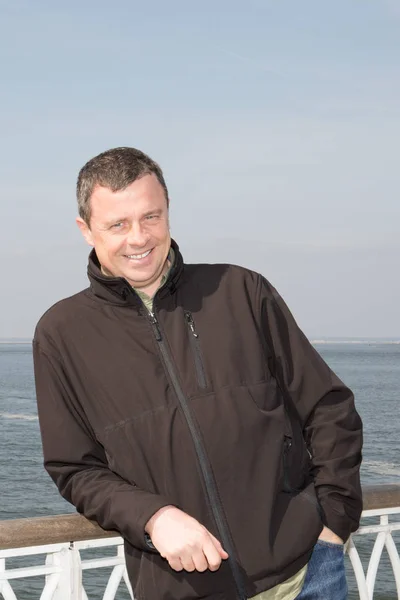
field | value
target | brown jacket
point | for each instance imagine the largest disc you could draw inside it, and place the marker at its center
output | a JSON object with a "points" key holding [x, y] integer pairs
{"points": [[216, 404]]}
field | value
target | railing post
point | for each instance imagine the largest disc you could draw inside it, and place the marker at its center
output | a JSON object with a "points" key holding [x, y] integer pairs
{"points": [[67, 584], [5, 587]]}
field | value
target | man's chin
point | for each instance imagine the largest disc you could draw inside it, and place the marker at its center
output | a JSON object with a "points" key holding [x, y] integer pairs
{"points": [[139, 280]]}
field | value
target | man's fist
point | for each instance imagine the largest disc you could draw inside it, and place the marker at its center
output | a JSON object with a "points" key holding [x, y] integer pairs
{"points": [[184, 542]]}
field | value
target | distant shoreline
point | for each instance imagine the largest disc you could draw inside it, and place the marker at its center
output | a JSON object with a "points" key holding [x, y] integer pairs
{"points": [[12, 342], [370, 341]]}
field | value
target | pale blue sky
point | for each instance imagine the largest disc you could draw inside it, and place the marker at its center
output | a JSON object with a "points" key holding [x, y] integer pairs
{"points": [[277, 125]]}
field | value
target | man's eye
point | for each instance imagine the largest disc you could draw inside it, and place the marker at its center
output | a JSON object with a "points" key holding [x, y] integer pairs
{"points": [[149, 217], [116, 225]]}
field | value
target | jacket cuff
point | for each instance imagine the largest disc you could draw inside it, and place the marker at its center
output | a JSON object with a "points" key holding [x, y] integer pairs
{"points": [[148, 541], [151, 508], [337, 520]]}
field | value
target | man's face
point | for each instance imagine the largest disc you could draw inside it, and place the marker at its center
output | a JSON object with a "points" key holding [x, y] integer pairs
{"points": [[129, 230]]}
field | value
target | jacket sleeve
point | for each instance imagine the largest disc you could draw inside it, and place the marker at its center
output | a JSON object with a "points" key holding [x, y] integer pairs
{"points": [[77, 462], [325, 407]]}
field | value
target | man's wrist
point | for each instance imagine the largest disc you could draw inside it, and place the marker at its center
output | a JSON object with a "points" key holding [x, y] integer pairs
{"points": [[150, 523], [327, 535]]}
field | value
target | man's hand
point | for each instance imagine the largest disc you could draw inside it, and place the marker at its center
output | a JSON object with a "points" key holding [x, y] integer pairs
{"points": [[184, 542], [327, 535]]}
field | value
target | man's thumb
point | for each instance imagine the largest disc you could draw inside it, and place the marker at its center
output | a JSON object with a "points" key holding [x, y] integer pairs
{"points": [[223, 554]]}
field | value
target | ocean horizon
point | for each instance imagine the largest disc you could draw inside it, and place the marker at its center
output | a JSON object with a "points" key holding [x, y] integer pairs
{"points": [[314, 340]]}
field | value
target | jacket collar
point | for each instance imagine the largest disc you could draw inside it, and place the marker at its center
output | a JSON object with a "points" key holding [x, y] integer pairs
{"points": [[117, 289]]}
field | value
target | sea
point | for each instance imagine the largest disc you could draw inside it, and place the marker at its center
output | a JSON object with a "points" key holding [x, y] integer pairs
{"points": [[370, 367]]}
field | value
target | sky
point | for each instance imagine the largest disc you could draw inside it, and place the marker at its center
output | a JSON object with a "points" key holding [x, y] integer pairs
{"points": [[276, 123]]}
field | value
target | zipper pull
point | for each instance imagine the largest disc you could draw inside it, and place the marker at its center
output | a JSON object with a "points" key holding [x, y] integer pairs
{"points": [[287, 442], [191, 324], [155, 326]]}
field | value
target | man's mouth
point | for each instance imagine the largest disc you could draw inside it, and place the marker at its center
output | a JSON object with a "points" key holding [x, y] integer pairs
{"points": [[138, 256]]}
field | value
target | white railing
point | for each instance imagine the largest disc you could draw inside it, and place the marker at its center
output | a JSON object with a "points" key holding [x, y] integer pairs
{"points": [[366, 579], [63, 563], [63, 567]]}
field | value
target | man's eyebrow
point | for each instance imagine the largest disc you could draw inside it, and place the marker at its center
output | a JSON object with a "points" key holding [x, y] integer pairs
{"points": [[156, 211]]}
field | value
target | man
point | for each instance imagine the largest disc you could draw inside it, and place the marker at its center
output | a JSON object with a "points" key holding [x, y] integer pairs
{"points": [[182, 406]]}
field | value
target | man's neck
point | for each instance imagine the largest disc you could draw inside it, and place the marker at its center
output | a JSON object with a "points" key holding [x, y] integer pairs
{"points": [[150, 290]]}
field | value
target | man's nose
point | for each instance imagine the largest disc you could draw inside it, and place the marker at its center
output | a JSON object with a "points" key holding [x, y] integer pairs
{"points": [[137, 236]]}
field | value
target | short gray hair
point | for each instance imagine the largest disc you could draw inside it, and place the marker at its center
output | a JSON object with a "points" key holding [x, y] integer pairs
{"points": [[114, 169]]}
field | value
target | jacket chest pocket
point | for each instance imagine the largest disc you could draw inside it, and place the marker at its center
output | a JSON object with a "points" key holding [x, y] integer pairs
{"points": [[195, 346], [217, 354]]}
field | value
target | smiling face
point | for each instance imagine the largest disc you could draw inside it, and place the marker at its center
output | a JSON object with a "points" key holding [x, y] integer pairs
{"points": [[129, 230]]}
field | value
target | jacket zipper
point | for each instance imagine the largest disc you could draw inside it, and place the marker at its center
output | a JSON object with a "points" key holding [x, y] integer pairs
{"points": [[195, 344], [202, 458]]}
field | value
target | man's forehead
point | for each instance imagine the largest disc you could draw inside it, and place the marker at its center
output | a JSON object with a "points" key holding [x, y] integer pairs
{"points": [[115, 209]]}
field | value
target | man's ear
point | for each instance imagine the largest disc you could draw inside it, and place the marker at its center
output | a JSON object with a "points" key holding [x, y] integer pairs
{"points": [[85, 230]]}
